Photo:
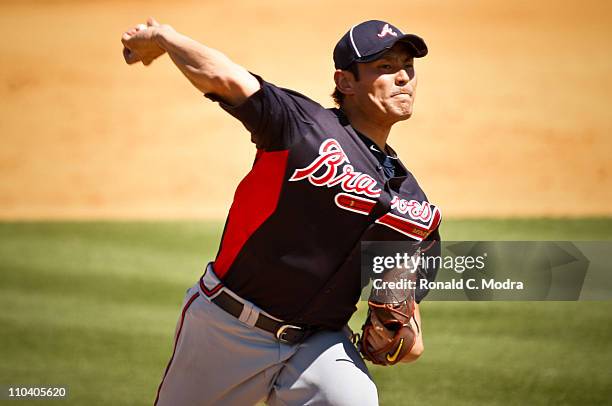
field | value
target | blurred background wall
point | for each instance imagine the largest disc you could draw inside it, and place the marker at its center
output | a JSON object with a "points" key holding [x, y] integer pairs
{"points": [[512, 114]]}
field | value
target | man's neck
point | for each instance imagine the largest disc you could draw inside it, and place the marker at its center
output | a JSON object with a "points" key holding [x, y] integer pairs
{"points": [[361, 122]]}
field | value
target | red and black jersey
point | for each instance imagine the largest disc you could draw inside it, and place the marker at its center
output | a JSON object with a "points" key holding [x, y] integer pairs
{"points": [[315, 191]]}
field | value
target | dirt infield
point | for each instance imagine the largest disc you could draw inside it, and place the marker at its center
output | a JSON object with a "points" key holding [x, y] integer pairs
{"points": [[512, 116]]}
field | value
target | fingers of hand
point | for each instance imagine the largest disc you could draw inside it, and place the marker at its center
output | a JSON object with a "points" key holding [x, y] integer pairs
{"points": [[131, 40], [126, 54], [132, 32], [129, 56], [125, 37], [151, 22]]}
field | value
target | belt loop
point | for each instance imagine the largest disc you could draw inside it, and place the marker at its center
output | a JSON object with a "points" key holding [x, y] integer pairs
{"points": [[252, 320], [248, 315]]}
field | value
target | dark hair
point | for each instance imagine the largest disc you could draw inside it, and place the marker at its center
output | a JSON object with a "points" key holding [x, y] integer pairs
{"points": [[337, 95]]}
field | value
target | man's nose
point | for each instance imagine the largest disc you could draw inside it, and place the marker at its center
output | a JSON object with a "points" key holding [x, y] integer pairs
{"points": [[402, 77]]}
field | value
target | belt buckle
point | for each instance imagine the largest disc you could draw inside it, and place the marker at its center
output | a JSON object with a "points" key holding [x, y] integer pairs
{"points": [[282, 332]]}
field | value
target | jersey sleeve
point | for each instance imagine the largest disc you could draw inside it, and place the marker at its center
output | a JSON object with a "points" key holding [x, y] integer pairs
{"points": [[272, 115]]}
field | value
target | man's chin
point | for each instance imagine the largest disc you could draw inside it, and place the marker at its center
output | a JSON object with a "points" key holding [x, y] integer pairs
{"points": [[398, 114], [403, 113], [404, 116]]}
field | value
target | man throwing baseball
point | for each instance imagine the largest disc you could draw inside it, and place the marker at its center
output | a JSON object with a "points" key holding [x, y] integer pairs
{"points": [[267, 321]]}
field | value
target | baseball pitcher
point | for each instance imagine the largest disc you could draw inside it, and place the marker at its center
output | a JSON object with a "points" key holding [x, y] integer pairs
{"points": [[267, 320]]}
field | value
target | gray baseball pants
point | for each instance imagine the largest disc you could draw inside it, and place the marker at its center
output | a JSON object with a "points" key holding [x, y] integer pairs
{"points": [[219, 359]]}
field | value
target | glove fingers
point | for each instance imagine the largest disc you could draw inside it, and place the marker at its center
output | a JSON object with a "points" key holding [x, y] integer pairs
{"points": [[390, 352], [379, 340]]}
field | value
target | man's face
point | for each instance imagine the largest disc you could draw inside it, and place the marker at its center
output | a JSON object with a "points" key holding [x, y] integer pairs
{"points": [[386, 87]]}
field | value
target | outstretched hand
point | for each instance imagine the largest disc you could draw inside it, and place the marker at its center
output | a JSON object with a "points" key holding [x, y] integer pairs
{"points": [[139, 43]]}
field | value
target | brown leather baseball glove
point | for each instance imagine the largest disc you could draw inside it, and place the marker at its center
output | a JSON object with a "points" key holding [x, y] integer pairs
{"points": [[390, 308]]}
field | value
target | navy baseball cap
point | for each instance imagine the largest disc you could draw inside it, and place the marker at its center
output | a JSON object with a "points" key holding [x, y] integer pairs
{"points": [[368, 41]]}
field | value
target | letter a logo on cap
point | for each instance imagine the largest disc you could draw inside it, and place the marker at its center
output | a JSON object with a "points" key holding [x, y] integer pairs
{"points": [[386, 30]]}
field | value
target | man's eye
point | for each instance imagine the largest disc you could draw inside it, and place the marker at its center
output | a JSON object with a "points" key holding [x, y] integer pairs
{"points": [[385, 66]]}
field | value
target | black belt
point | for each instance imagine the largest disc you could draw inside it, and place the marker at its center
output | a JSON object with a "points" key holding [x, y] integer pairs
{"points": [[285, 333]]}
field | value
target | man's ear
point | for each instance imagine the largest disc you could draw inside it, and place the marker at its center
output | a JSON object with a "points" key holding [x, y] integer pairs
{"points": [[345, 81]]}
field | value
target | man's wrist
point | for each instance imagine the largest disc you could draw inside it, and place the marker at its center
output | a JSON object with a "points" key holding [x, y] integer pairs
{"points": [[160, 35]]}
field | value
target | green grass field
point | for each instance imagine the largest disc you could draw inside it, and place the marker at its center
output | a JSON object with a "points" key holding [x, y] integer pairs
{"points": [[93, 306]]}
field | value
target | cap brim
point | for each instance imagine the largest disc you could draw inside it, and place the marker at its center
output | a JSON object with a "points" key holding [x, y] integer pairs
{"points": [[416, 45]]}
